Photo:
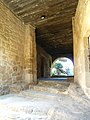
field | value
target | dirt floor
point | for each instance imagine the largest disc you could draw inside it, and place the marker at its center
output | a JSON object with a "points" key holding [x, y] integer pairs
{"points": [[39, 103]]}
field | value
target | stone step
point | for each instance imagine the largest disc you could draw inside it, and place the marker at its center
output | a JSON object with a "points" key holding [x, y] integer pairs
{"points": [[53, 83], [54, 87], [48, 89], [29, 103], [38, 94]]}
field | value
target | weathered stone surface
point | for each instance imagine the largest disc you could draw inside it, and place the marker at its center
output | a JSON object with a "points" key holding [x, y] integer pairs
{"points": [[75, 90], [30, 65], [81, 32], [36, 105], [12, 33], [15, 55], [4, 89], [44, 61], [18, 87], [51, 86]]}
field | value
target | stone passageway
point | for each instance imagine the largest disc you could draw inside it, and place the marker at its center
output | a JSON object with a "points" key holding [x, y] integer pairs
{"points": [[33, 34], [46, 101]]}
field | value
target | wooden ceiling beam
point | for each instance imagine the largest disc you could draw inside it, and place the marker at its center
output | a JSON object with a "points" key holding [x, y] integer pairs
{"points": [[54, 32]]}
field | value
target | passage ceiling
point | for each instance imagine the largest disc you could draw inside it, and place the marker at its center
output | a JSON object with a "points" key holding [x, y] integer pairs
{"points": [[53, 21]]}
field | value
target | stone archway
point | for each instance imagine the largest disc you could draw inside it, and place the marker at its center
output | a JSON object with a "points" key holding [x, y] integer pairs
{"points": [[62, 66]]}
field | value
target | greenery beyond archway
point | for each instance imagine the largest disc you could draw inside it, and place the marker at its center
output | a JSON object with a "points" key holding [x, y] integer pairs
{"points": [[62, 67]]}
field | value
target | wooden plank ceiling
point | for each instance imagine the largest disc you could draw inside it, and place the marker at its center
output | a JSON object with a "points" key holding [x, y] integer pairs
{"points": [[53, 20]]}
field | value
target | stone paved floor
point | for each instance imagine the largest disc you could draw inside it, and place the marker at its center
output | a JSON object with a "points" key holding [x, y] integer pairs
{"points": [[42, 105]]}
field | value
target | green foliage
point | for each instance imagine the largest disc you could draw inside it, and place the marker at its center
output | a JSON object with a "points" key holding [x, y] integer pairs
{"points": [[61, 69], [58, 65]]}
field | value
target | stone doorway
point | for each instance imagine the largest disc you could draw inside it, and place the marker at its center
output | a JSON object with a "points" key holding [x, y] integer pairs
{"points": [[62, 67]]}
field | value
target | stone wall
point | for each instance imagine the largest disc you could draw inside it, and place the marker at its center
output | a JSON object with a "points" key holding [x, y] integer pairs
{"points": [[12, 33], [44, 61], [14, 51], [30, 65], [81, 31]]}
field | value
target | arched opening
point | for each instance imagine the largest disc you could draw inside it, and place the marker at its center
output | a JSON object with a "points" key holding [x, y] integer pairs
{"points": [[62, 67]]}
